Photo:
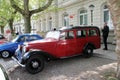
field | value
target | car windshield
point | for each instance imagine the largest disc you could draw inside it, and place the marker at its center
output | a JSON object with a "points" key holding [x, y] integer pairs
{"points": [[53, 34], [15, 39]]}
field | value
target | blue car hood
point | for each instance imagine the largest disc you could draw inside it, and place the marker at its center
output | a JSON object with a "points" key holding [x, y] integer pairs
{"points": [[6, 45]]}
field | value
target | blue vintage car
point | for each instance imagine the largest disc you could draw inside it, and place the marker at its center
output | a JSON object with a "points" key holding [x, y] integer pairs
{"points": [[8, 49]]}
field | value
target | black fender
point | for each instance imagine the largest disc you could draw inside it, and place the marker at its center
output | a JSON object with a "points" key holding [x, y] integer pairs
{"points": [[27, 55], [89, 44]]}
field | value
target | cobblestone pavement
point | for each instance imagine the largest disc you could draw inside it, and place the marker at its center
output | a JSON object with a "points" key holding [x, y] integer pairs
{"points": [[76, 68], [65, 69]]}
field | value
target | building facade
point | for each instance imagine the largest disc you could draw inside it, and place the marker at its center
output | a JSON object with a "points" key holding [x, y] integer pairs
{"points": [[76, 12], [73, 12]]}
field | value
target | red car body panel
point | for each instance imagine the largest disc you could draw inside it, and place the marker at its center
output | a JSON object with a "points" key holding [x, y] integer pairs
{"points": [[3, 41]]}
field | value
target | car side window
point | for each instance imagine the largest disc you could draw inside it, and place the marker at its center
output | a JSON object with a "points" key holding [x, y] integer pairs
{"points": [[23, 39], [69, 35], [81, 33], [62, 36], [92, 32], [33, 38]]}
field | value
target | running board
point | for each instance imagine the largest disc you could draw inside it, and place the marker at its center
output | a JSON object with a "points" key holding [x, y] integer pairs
{"points": [[18, 62]]}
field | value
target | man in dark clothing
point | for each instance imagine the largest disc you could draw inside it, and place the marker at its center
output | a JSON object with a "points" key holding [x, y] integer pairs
{"points": [[105, 32]]}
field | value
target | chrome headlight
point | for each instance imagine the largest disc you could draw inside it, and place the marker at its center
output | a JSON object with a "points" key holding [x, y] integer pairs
{"points": [[24, 49]]}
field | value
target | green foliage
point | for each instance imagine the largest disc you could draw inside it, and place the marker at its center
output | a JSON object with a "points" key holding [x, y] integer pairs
{"points": [[7, 12], [5, 9], [19, 3], [33, 4]]}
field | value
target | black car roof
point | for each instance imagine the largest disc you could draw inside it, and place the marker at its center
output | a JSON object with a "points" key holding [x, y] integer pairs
{"points": [[77, 27]]}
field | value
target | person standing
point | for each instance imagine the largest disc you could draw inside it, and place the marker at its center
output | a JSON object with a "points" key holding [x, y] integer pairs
{"points": [[105, 32], [9, 35]]}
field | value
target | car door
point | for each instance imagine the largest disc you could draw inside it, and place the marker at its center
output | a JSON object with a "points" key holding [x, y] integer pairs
{"points": [[66, 46], [81, 40], [71, 44], [94, 37], [61, 46]]}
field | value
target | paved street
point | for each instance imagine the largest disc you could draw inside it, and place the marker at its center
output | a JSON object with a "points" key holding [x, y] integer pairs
{"points": [[67, 69], [109, 54]]}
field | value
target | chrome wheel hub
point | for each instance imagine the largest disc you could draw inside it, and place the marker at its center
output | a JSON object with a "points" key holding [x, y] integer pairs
{"points": [[89, 51], [5, 54], [35, 64]]}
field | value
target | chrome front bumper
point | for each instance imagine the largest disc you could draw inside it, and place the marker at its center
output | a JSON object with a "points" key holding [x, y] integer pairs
{"points": [[18, 62]]}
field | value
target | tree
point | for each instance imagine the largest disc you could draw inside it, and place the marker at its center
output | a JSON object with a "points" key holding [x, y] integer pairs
{"points": [[114, 6], [27, 12], [2, 24], [7, 14]]}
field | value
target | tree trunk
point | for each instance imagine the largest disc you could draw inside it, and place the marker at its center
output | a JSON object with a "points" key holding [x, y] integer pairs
{"points": [[27, 23], [114, 6], [2, 29], [11, 26]]}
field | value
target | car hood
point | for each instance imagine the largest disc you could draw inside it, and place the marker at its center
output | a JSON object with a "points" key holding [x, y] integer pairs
{"points": [[45, 44], [42, 41], [6, 45]]}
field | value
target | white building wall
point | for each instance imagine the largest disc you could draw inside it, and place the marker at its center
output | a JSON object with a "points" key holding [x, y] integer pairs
{"points": [[72, 7]]}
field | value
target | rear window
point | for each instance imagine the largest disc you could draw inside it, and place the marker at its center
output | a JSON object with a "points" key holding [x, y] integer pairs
{"points": [[92, 32]]}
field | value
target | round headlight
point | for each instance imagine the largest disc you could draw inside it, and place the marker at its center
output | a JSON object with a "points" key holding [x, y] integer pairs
{"points": [[24, 49]]}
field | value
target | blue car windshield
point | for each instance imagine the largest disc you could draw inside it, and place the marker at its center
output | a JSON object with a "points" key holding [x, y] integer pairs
{"points": [[15, 39]]}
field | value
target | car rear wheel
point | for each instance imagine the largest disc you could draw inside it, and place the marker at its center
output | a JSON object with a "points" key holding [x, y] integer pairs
{"points": [[5, 54], [88, 52], [35, 64]]}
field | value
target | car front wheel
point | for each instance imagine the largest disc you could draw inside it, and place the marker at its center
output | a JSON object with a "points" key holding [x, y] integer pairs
{"points": [[5, 54], [35, 64]]}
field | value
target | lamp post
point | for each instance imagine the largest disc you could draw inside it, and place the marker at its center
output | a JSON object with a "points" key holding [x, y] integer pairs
{"points": [[91, 7]]}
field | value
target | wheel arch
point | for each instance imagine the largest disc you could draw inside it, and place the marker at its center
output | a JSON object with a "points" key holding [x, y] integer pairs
{"points": [[46, 56], [88, 50], [89, 44]]}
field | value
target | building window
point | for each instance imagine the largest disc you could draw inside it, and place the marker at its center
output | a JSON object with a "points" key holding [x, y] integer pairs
{"points": [[83, 18], [50, 23], [65, 20], [44, 25], [40, 26], [106, 13], [107, 17]]}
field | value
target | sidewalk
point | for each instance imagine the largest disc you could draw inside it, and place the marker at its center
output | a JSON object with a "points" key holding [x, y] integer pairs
{"points": [[109, 54]]}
